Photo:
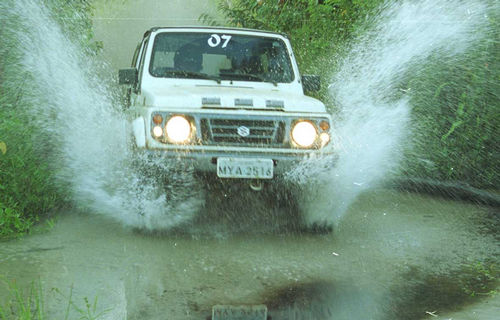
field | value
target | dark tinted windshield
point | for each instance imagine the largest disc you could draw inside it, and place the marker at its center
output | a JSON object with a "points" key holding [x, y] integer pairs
{"points": [[220, 56]]}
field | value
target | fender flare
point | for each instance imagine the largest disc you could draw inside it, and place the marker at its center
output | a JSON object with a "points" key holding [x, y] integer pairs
{"points": [[139, 131]]}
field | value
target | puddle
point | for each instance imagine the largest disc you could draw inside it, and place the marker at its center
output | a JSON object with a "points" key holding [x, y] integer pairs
{"points": [[395, 255]]}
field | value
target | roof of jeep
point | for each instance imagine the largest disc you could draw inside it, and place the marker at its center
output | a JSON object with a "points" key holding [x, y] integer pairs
{"points": [[218, 28]]}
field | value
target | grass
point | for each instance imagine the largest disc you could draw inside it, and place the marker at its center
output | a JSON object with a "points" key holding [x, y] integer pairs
{"points": [[27, 185], [482, 279], [29, 304], [444, 291], [24, 305]]}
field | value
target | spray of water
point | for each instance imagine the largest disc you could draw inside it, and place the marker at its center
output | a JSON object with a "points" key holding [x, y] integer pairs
{"points": [[373, 125], [77, 111]]}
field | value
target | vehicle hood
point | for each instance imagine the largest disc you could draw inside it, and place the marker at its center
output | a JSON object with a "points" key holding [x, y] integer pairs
{"points": [[230, 97]]}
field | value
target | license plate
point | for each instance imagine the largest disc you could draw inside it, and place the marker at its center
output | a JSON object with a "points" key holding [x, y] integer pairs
{"points": [[245, 168], [256, 312]]}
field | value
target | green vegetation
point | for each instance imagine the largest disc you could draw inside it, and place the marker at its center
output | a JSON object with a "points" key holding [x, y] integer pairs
{"points": [[456, 112], [443, 291], [28, 187], [24, 305], [29, 304], [457, 116], [26, 183], [481, 279]]}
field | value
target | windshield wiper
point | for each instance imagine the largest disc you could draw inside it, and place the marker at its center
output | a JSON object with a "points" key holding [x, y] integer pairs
{"points": [[193, 74], [249, 76]]}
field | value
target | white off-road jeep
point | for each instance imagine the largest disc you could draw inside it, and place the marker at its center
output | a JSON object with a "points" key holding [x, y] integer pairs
{"points": [[229, 101]]}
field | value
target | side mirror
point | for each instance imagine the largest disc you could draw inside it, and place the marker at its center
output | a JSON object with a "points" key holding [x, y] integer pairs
{"points": [[128, 76], [311, 83]]}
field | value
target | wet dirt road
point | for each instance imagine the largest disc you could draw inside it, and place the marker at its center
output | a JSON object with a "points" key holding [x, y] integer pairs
{"points": [[393, 256]]}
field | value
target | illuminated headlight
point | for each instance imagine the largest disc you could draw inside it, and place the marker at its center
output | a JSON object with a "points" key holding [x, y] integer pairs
{"points": [[304, 134], [178, 129]]}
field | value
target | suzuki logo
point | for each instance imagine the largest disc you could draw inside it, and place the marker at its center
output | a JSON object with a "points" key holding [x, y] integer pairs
{"points": [[243, 131]]}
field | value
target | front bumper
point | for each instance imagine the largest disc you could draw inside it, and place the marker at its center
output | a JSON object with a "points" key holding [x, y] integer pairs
{"points": [[205, 161]]}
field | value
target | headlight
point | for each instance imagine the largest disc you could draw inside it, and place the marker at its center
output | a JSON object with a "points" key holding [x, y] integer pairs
{"points": [[304, 134], [178, 129]]}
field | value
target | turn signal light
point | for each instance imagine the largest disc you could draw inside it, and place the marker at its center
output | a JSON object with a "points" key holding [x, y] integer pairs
{"points": [[324, 125], [157, 119]]}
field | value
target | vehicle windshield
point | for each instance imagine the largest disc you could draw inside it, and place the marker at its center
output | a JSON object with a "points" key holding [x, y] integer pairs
{"points": [[220, 56]]}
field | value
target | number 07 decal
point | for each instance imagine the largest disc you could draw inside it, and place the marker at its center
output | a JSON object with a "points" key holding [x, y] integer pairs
{"points": [[215, 40]]}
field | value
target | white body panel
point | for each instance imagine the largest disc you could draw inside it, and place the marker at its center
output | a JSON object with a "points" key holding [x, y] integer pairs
{"points": [[177, 94], [139, 131]]}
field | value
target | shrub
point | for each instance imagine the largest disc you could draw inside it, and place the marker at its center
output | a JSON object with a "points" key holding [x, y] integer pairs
{"points": [[457, 116], [27, 187]]}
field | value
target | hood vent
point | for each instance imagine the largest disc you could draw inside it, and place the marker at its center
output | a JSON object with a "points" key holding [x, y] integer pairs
{"points": [[275, 104], [243, 102], [210, 101]]}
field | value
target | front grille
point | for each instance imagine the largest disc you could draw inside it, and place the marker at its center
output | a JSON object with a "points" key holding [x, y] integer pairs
{"points": [[261, 132]]}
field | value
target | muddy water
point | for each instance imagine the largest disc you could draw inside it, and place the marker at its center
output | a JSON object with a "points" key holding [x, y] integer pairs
{"points": [[373, 266]]}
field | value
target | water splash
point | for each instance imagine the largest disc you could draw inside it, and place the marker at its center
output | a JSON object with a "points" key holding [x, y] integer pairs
{"points": [[78, 113], [374, 119]]}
